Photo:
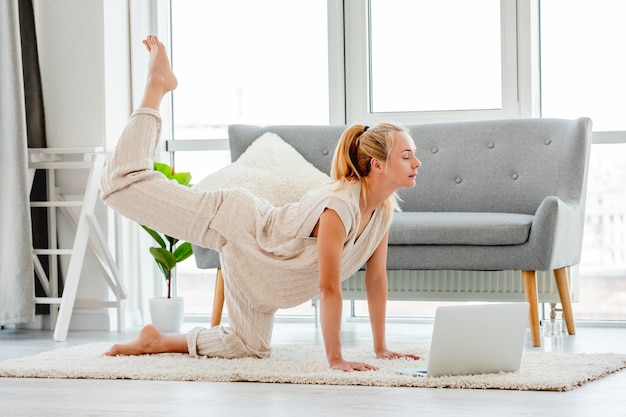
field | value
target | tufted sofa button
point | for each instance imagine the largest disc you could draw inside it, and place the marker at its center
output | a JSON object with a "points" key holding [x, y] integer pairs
{"points": [[458, 180], [515, 176], [325, 151], [491, 145], [434, 150], [547, 141]]}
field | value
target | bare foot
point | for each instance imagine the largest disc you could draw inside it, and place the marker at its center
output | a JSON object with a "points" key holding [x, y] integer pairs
{"points": [[150, 340], [161, 78]]}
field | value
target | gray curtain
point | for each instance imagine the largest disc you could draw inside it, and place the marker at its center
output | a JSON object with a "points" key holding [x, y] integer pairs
{"points": [[17, 294]]}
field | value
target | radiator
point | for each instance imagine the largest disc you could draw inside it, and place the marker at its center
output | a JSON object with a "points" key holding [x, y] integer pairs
{"points": [[462, 286]]}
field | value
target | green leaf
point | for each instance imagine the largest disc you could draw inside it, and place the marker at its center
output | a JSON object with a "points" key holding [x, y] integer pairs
{"points": [[183, 178], [155, 235], [164, 258], [183, 251], [164, 169], [172, 240]]}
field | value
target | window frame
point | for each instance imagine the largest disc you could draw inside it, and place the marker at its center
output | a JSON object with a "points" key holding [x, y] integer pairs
{"points": [[514, 73]]}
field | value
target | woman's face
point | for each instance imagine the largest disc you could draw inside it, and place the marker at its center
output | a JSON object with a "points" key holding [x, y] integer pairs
{"points": [[403, 164]]}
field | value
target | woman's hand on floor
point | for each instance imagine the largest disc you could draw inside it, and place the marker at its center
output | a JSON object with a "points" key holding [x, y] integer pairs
{"points": [[387, 354], [347, 366]]}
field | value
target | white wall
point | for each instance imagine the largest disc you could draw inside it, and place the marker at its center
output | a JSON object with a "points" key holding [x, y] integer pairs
{"points": [[85, 69], [84, 57]]}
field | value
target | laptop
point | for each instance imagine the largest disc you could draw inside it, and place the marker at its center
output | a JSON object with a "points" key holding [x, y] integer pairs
{"points": [[476, 339]]}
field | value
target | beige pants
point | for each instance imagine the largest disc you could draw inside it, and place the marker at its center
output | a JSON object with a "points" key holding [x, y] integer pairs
{"points": [[249, 332]]}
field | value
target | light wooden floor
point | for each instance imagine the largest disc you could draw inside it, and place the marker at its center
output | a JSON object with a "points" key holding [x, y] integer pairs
{"points": [[49, 397]]}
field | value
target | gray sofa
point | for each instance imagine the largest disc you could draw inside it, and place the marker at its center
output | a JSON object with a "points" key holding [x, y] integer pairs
{"points": [[490, 196]]}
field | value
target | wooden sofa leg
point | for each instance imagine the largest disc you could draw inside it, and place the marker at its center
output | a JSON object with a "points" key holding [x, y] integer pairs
{"points": [[218, 299], [530, 289], [562, 284]]}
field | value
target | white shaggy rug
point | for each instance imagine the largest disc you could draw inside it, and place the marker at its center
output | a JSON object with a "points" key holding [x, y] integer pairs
{"points": [[306, 365]]}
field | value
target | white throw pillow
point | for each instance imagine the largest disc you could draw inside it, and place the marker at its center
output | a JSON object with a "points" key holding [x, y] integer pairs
{"points": [[271, 169]]}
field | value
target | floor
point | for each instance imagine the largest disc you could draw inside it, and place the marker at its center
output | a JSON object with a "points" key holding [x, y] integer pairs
{"points": [[49, 397]]}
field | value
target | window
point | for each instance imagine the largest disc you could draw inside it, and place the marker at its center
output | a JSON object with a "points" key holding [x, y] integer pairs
{"points": [[430, 60], [245, 61], [582, 64], [603, 265], [582, 74], [419, 62], [248, 61], [272, 61]]}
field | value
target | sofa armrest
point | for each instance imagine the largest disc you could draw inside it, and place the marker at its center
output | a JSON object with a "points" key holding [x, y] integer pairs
{"points": [[556, 233]]}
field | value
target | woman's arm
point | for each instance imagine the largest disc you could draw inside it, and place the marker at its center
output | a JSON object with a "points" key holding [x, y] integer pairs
{"points": [[330, 240], [376, 290]]}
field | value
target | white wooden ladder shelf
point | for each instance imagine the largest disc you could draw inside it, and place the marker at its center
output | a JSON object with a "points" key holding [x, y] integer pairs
{"points": [[88, 235]]}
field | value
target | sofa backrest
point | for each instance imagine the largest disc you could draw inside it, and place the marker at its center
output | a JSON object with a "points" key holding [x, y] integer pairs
{"points": [[316, 143], [485, 166]]}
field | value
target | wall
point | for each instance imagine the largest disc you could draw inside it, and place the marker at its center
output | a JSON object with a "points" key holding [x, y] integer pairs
{"points": [[85, 70]]}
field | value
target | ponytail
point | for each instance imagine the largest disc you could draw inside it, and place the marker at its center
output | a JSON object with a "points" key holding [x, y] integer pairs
{"points": [[358, 145], [347, 166]]}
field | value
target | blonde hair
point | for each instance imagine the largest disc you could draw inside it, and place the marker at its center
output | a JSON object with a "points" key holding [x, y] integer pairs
{"points": [[357, 147]]}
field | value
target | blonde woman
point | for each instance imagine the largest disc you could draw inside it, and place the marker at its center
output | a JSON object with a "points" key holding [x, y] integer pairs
{"points": [[272, 257]]}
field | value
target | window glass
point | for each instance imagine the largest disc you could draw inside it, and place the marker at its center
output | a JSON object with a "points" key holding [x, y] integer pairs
{"points": [[582, 61], [248, 61], [435, 55], [603, 263]]}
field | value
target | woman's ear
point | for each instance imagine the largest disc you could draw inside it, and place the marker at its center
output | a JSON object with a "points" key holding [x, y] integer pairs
{"points": [[376, 165]]}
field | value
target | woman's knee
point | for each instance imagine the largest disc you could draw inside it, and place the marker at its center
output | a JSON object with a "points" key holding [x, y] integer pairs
{"points": [[223, 342]]}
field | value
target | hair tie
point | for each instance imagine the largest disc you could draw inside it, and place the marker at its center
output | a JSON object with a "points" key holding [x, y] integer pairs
{"points": [[365, 128]]}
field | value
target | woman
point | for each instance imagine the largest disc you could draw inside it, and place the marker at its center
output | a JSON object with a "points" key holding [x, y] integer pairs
{"points": [[271, 257]]}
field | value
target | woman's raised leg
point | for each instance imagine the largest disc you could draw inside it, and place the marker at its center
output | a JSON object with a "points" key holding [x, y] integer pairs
{"points": [[160, 81]]}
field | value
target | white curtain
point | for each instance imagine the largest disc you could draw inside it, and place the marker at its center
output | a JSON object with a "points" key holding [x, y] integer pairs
{"points": [[17, 294]]}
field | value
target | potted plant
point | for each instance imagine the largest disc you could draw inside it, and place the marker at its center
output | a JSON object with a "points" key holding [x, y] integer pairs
{"points": [[167, 312]]}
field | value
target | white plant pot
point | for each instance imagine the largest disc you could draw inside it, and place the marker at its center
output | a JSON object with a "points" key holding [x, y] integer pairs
{"points": [[167, 313]]}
